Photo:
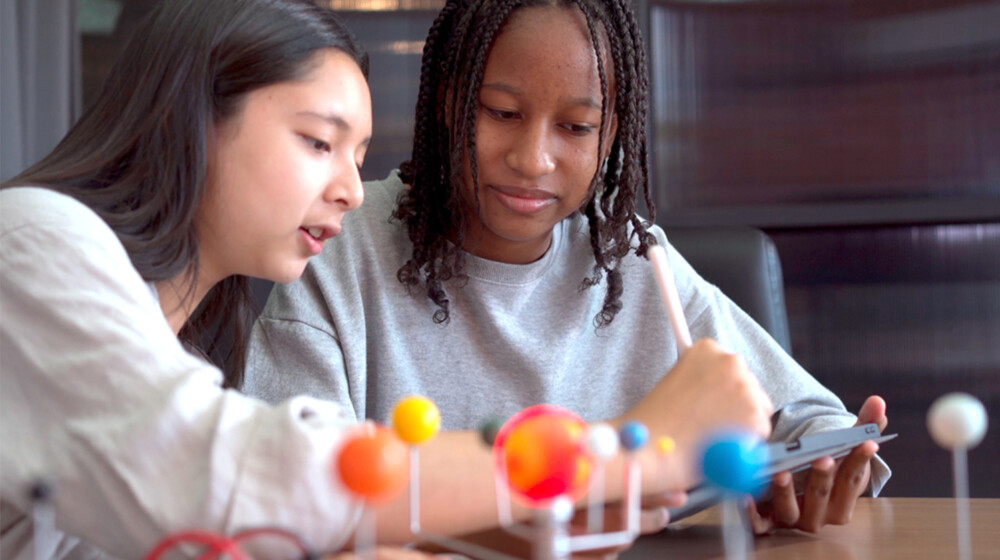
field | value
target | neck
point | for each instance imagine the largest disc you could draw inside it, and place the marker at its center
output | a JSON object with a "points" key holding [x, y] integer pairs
{"points": [[178, 301], [510, 252]]}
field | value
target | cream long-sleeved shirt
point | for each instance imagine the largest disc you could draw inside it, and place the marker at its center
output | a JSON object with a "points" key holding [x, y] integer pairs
{"points": [[98, 397]]}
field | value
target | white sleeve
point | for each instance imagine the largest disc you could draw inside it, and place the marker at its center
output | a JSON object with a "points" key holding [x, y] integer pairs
{"points": [[138, 436]]}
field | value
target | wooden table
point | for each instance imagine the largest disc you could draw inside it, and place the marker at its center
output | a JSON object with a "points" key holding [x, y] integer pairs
{"points": [[882, 529]]}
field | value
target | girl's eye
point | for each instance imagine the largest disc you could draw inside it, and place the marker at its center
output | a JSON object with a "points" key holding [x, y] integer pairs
{"points": [[502, 115], [318, 145], [579, 129]]}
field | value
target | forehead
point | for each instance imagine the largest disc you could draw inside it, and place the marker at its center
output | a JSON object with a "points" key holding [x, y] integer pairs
{"points": [[549, 45], [332, 84], [335, 76]]}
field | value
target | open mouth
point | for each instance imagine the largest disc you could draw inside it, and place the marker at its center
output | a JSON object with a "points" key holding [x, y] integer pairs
{"points": [[316, 232]]}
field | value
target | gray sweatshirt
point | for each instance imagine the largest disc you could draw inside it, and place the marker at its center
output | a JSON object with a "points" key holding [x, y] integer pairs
{"points": [[518, 335]]}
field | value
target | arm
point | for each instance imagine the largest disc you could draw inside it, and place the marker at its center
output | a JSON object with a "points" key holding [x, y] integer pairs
{"points": [[457, 491], [707, 390], [137, 435], [321, 332]]}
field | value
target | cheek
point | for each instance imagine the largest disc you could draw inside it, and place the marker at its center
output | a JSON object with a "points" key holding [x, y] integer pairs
{"points": [[289, 181], [583, 164], [491, 142]]}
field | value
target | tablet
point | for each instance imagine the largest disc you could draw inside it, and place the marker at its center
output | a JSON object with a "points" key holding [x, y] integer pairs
{"points": [[791, 456]]}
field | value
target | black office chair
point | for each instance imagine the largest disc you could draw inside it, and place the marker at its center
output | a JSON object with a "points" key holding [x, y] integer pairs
{"points": [[743, 262]]}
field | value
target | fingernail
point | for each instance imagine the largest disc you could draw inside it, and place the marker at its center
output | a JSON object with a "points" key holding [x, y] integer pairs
{"points": [[675, 497], [664, 517]]}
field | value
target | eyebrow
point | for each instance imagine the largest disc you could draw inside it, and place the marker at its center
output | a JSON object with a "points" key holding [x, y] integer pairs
{"points": [[587, 101], [334, 119]]}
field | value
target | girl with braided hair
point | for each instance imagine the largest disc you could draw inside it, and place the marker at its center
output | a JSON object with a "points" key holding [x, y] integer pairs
{"points": [[503, 264]]}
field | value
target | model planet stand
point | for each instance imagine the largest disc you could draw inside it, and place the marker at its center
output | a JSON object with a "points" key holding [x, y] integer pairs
{"points": [[545, 458], [957, 421]]}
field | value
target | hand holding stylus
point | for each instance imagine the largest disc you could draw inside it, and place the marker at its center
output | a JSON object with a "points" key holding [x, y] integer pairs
{"points": [[707, 390]]}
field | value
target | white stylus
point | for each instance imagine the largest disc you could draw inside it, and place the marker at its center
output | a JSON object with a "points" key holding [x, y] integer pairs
{"points": [[668, 291]]}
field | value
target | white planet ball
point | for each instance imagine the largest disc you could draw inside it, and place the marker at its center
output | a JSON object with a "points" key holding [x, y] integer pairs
{"points": [[602, 440], [957, 420]]}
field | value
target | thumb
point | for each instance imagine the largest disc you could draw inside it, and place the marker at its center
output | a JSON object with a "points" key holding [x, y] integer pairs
{"points": [[873, 410]]}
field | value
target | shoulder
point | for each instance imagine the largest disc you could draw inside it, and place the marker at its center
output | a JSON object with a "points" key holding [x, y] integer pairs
{"points": [[371, 227], [369, 249], [39, 208], [40, 227], [380, 197], [373, 221], [385, 190]]}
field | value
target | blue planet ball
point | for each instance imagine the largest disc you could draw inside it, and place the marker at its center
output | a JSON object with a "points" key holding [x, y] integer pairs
{"points": [[733, 461], [633, 435]]}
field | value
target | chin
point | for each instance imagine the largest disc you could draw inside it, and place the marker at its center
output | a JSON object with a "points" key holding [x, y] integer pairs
{"points": [[286, 274]]}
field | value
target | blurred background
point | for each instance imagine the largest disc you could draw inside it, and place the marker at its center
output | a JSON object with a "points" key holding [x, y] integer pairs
{"points": [[862, 135]]}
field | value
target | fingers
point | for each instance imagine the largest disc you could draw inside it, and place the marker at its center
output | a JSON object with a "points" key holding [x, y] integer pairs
{"points": [[707, 390], [817, 495], [601, 554], [665, 499], [387, 553], [732, 386], [781, 511], [749, 384], [653, 520], [851, 480], [873, 410], [784, 504], [612, 522], [759, 523]]}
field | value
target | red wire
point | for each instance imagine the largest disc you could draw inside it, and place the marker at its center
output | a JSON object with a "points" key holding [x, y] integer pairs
{"points": [[216, 545]]}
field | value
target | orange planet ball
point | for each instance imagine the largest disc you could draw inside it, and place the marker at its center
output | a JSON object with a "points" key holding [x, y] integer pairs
{"points": [[374, 464], [544, 453]]}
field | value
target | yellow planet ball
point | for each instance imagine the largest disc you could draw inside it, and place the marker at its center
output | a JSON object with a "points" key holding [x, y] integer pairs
{"points": [[416, 419], [666, 445]]}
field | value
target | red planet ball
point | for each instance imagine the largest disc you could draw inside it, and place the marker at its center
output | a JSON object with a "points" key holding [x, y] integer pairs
{"points": [[544, 452]]}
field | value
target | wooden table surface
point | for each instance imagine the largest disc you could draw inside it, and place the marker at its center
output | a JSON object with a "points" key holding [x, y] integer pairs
{"points": [[882, 528]]}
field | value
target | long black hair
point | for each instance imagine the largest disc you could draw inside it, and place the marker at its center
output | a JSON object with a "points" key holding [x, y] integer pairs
{"points": [[451, 75], [138, 156]]}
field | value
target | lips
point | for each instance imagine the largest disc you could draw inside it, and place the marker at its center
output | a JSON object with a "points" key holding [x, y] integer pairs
{"points": [[322, 233], [314, 236], [523, 200]]}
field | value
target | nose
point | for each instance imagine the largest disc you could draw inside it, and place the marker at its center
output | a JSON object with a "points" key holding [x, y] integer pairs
{"points": [[531, 153], [345, 188]]}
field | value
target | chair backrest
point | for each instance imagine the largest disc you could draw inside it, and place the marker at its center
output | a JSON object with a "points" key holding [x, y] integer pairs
{"points": [[743, 262]]}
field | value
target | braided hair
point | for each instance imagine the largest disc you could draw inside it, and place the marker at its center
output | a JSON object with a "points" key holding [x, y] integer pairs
{"points": [[431, 209]]}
